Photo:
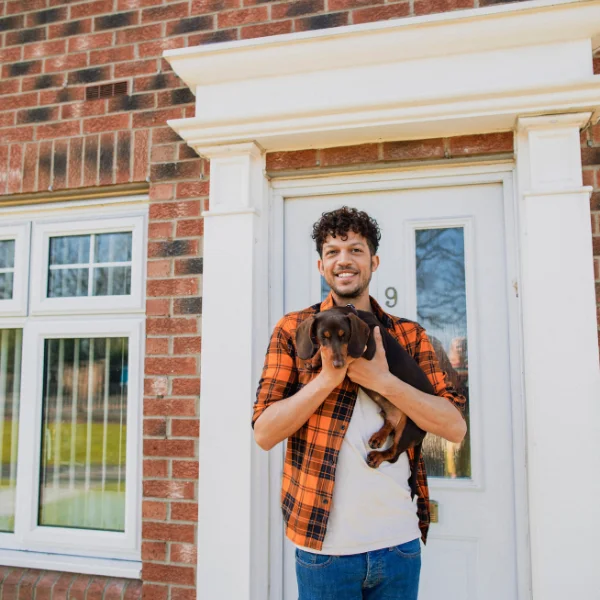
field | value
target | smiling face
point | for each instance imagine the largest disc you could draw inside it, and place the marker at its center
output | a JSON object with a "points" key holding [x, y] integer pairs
{"points": [[347, 266]]}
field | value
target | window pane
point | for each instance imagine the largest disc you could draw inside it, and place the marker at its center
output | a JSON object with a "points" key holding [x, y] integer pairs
{"points": [[70, 250], [112, 281], [6, 286], [67, 282], [10, 386], [442, 310], [82, 482], [325, 289], [7, 254], [113, 247]]}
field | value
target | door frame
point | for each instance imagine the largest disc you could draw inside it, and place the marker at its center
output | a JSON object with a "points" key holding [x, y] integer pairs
{"points": [[414, 177]]}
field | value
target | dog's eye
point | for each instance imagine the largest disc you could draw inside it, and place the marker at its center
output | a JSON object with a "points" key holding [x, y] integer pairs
{"points": [[341, 333], [327, 334]]}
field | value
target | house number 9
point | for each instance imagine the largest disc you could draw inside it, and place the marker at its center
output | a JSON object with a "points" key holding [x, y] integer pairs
{"points": [[392, 297]]}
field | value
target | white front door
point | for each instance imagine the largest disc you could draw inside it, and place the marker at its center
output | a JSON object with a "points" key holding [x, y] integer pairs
{"points": [[443, 264]]}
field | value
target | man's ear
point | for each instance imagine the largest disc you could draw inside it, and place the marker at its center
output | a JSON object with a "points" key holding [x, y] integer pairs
{"points": [[305, 347], [359, 334]]}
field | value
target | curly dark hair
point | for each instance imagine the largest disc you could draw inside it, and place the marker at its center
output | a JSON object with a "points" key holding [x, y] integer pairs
{"points": [[340, 222]]}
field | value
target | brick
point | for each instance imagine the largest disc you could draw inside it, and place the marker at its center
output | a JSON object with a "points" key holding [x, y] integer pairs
{"points": [[256, 31], [179, 490], [480, 144], [235, 18], [10, 87], [208, 6], [61, 587], [425, 7], [157, 307], [164, 135], [171, 366], [44, 17], [44, 49], [116, 20], [169, 407], [157, 386], [4, 152], [91, 42], [156, 48], [133, 591], [27, 584], [65, 63], [63, 95], [165, 153], [182, 26], [185, 427], [192, 189], [152, 118], [154, 551], [183, 593], [214, 37], [18, 69], [326, 21], [139, 34], [189, 386], [25, 36], [177, 170], [168, 574], [38, 115], [79, 587], [173, 210], [187, 306], [189, 266], [71, 28], [184, 553], [173, 248], [157, 346], [173, 97], [154, 468], [15, 169], [166, 12], [187, 345], [43, 590], [169, 532], [172, 287], [78, 110], [347, 155], [165, 448], [44, 166], [381, 13], [88, 9], [414, 150], [160, 231], [162, 191], [297, 8], [16, 134], [30, 168], [155, 428], [55, 130], [136, 67], [281, 161], [185, 469], [61, 153], [107, 123], [7, 119], [123, 156], [90, 165], [155, 592], [159, 268], [112, 55], [19, 6], [140, 155], [96, 588]]}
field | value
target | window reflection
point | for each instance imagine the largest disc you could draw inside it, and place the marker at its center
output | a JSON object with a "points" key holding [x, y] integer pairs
{"points": [[442, 310]]}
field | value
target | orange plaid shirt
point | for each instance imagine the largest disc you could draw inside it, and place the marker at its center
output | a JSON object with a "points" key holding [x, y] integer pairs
{"points": [[312, 452]]}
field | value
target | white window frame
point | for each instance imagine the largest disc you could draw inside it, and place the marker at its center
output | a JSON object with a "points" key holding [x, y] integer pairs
{"points": [[17, 305], [41, 234], [86, 551]]}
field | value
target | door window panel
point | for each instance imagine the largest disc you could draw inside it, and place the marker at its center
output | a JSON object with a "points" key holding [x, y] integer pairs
{"points": [[10, 387], [82, 482], [442, 310]]}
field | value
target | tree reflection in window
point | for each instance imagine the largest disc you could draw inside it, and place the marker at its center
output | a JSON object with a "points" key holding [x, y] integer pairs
{"points": [[442, 310]]}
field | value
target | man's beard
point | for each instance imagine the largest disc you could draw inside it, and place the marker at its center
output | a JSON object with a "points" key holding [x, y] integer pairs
{"points": [[350, 294]]}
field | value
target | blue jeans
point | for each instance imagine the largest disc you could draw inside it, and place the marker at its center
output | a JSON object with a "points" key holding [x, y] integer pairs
{"points": [[386, 574]]}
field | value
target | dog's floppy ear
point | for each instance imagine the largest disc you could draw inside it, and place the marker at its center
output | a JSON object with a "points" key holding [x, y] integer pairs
{"points": [[305, 347], [359, 334]]}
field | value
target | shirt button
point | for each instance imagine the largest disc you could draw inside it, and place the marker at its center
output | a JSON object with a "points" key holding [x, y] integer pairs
{"points": [[325, 501], [343, 428]]}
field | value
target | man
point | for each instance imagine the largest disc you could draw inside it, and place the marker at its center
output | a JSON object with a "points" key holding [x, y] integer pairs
{"points": [[360, 537]]}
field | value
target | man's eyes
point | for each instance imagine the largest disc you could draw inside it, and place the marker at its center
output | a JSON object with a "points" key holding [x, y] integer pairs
{"points": [[332, 252]]}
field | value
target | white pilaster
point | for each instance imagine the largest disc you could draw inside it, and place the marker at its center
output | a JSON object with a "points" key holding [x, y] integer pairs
{"points": [[233, 514], [562, 378]]}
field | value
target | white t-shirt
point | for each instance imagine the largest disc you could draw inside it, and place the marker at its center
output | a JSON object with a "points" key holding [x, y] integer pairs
{"points": [[371, 508]]}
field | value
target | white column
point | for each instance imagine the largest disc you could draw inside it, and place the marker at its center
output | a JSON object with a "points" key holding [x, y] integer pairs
{"points": [[562, 378], [233, 483]]}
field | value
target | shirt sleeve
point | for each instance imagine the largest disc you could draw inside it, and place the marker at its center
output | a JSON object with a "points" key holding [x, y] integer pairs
{"points": [[279, 375], [427, 359]]}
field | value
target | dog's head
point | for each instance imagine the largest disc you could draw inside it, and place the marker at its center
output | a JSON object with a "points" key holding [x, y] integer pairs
{"points": [[338, 328]]}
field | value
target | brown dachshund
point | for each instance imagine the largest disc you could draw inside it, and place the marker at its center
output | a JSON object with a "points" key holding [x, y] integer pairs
{"points": [[347, 332]]}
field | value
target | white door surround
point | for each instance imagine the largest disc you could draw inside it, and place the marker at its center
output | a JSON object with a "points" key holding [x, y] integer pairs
{"points": [[307, 90]]}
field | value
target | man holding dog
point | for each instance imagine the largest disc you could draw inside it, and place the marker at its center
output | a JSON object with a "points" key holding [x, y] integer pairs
{"points": [[360, 537]]}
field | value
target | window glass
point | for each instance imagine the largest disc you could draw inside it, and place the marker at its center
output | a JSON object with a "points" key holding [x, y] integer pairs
{"points": [[7, 266], [84, 431], [442, 310], [90, 265], [10, 386]]}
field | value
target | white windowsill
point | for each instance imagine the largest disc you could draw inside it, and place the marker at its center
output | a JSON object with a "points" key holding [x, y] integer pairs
{"points": [[129, 569]]}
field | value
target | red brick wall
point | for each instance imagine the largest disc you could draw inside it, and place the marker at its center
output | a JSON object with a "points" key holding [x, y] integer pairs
{"points": [[27, 584], [51, 138]]}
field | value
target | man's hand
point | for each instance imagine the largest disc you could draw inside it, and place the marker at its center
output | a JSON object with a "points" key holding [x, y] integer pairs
{"points": [[371, 374]]}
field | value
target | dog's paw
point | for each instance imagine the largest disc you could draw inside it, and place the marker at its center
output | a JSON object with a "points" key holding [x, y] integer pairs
{"points": [[376, 441], [374, 459]]}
